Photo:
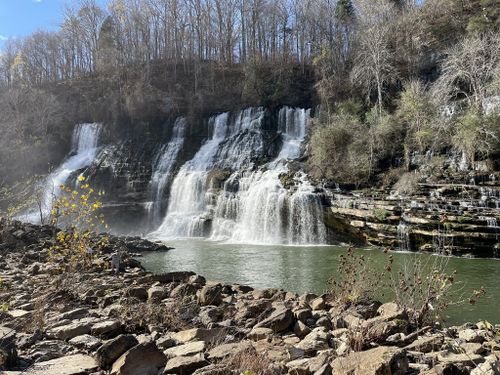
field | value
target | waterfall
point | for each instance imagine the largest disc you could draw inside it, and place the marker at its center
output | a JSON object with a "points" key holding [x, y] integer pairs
{"points": [[251, 205], [404, 236], [83, 152], [233, 143], [162, 170], [255, 207]]}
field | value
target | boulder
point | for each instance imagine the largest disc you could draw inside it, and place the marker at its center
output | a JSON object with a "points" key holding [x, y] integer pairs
{"points": [[48, 349], [142, 359], [228, 350], [77, 364], [210, 295], [107, 328], [316, 340], [86, 342], [318, 303], [199, 334], [257, 334], [190, 348], [112, 349], [157, 293], [8, 352], [279, 321], [185, 365], [210, 314], [378, 361], [67, 332]]}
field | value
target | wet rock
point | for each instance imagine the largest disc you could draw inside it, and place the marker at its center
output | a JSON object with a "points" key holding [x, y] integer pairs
{"points": [[112, 349], [140, 360]]}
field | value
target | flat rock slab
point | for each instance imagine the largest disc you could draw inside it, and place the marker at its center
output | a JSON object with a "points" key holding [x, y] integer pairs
{"points": [[77, 364]]}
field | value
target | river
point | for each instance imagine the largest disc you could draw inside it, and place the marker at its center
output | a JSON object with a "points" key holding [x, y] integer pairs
{"points": [[307, 268]]}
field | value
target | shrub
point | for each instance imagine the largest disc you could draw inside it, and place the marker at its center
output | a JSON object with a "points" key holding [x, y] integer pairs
{"points": [[76, 248], [381, 214]]}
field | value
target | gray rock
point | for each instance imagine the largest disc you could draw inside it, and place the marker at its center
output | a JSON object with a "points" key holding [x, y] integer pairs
{"points": [[107, 328], [69, 331], [279, 321], [227, 350], [86, 342], [190, 348], [210, 295], [77, 364], [142, 359], [185, 365], [112, 349]]}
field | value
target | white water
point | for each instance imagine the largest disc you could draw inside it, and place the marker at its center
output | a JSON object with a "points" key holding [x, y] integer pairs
{"points": [[262, 210], [251, 206], [404, 236], [191, 194], [83, 152], [163, 167]]}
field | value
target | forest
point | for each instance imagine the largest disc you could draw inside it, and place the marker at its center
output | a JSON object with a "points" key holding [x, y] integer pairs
{"points": [[389, 79]]}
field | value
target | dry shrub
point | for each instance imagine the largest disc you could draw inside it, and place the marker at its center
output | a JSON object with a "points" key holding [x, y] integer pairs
{"points": [[355, 280], [249, 362], [407, 184], [174, 316]]}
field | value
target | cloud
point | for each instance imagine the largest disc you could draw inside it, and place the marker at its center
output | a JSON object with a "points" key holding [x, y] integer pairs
{"points": [[3, 37], [37, 1]]}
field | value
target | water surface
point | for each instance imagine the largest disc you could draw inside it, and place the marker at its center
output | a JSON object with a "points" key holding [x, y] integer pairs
{"points": [[307, 268]]}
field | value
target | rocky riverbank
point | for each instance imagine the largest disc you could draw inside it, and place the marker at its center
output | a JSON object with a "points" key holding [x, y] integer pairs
{"points": [[138, 323]]}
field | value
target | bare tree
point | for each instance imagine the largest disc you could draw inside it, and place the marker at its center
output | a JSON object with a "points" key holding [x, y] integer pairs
{"points": [[470, 69], [374, 63]]}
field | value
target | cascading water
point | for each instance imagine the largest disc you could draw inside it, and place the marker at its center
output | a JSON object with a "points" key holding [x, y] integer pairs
{"points": [[255, 207], [403, 236], [83, 152], [234, 142], [162, 170], [252, 205]]}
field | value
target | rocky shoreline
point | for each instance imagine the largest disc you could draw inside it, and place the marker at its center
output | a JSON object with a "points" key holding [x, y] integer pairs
{"points": [[134, 323]]}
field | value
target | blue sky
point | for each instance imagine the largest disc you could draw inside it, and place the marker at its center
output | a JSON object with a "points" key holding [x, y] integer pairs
{"points": [[22, 17]]}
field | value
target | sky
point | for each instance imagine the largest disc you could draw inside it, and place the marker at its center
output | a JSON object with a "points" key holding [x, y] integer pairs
{"points": [[22, 17]]}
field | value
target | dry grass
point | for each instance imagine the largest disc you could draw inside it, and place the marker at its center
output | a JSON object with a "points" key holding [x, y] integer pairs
{"points": [[249, 362]]}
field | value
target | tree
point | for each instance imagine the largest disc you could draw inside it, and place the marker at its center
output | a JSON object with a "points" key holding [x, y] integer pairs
{"points": [[470, 68], [416, 113], [374, 64]]}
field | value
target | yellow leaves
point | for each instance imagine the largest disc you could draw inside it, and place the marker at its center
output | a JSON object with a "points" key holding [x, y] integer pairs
{"points": [[81, 178]]}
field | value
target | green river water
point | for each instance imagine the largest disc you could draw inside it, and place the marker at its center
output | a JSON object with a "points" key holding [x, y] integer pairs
{"points": [[307, 268]]}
